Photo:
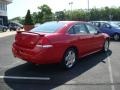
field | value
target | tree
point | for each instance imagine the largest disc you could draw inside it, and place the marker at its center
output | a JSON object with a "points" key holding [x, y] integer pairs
{"points": [[60, 15], [45, 13], [28, 24], [28, 19]]}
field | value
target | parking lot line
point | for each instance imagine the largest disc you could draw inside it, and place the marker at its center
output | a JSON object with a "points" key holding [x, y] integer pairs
{"points": [[110, 72], [24, 78]]}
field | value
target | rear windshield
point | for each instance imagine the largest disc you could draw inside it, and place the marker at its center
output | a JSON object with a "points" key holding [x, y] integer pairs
{"points": [[48, 27]]}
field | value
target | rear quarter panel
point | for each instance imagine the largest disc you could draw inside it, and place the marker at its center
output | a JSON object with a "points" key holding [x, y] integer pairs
{"points": [[60, 44]]}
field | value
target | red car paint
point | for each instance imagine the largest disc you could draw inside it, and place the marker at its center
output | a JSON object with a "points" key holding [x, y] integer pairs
{"points": [[46, 48]]}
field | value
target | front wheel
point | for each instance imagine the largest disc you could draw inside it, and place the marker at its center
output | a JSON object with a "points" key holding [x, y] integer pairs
{"points": [[69, 59], [106, 46]]}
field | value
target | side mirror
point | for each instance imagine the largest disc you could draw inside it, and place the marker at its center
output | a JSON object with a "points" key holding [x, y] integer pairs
{"points": [[97, 32], [110, 27]]}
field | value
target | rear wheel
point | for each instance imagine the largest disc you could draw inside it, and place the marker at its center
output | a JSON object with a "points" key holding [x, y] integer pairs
{"points": [[69, 59], [116, 37], [106, 46]]}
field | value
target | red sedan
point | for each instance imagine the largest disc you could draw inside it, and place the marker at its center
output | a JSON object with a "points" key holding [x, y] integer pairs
{"points": [[61, 42]]}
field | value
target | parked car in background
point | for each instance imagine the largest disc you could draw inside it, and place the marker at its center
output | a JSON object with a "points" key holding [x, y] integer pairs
{"points": [[3, 28], [13, 26], [37, 24], [112, 28], [97, 23], [61, 42]]}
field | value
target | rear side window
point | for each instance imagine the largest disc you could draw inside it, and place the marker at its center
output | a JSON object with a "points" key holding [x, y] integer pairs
{"points": [[71, 31], [91, 29], [49, 27]]}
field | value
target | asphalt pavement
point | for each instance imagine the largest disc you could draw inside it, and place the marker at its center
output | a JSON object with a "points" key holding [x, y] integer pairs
{"points": [[100, 71]]}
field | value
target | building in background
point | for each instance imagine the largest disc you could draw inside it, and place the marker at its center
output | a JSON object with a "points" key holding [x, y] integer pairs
{"points": [[3, 11]]}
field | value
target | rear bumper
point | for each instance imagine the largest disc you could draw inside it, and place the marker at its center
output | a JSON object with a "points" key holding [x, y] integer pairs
{"points": [[36, 55]]}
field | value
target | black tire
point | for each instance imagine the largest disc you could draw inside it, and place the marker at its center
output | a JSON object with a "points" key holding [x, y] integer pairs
{"points": [[116, 37], [10, 29], [4, 30], [32, 64], [106, 45], [68, 63]]}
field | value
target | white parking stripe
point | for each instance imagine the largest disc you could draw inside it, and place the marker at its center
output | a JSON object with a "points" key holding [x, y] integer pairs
{"points": [[24, 78], [110, 72]]}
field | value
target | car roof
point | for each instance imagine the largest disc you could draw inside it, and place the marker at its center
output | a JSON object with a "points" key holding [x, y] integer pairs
{"points": [[98, 21], [68, 22]]}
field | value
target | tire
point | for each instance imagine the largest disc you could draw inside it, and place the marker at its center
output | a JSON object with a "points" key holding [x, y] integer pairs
{"points": [[32, 64], [10, 29], [106, 46], [116, 37], [4, 30], [69, 59]]}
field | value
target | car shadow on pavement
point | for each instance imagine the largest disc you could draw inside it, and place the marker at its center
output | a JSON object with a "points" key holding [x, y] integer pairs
{"points": [[57, 75]]}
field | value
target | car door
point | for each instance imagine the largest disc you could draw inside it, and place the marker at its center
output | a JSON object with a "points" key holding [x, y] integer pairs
{"points": [[98, 39], [84, 39], [107, 28]]}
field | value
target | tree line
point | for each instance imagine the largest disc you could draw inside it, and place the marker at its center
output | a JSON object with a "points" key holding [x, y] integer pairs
{"points": [[95, 14]]}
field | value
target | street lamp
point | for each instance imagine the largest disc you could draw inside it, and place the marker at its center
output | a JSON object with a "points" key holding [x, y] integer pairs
{"points": [[71, 3], [88, 6]]}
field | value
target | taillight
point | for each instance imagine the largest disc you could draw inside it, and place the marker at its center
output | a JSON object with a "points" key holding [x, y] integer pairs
{"points": [[44, 43], [17, 34]]}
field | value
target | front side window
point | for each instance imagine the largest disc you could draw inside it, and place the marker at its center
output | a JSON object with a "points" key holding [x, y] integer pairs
{"points": [[71, 30], [106, 26], [78, 29], [91, 29]]}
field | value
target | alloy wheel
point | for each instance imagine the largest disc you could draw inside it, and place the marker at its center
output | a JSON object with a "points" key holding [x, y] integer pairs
{"points": [[106, 46], [70, 58], [116, 37]]}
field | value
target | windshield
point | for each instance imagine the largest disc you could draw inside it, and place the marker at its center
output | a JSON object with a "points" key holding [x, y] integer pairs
{"points": [[116, 25], [48, 27]]}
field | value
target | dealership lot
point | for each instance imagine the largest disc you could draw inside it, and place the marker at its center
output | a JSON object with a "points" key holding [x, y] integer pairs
{"points": [[100, 71], [4, 34]]}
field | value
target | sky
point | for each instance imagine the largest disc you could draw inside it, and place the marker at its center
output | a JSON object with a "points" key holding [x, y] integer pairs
{"points": [[20, 7]]}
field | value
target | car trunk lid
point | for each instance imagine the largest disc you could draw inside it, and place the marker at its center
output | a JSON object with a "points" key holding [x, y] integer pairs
{"points": [[27, 39]]}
